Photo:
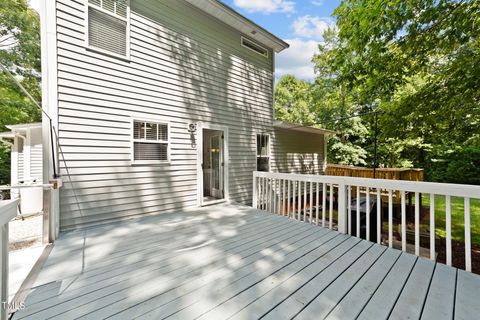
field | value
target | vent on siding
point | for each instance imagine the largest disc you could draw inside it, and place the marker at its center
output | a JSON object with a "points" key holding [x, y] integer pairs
{"points": [[107, 32], [254, 46]]}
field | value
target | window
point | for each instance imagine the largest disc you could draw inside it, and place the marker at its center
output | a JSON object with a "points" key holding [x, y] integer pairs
{"points": [[150, 142], [108, 26], [263, 152], [254, 46]]}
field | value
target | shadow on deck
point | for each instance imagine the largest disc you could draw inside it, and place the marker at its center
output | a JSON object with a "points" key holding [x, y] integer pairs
{"points": [[230, 261]]}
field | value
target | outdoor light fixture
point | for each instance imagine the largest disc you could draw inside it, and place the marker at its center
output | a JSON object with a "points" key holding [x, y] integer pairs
{"points": [[192, 127]]}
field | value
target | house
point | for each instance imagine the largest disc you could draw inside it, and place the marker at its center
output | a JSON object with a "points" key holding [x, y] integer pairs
{"points": [[157, 106], [160, 105], [26, 163]]}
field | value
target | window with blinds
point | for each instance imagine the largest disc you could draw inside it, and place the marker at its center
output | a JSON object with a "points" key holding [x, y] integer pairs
{"points": [[150, 141], [263, 152], [108, 26]]}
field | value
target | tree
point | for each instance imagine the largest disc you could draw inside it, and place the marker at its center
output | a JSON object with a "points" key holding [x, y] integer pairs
{"points": [[293, 100], [20, 53], [418, 62], [336, 106]]}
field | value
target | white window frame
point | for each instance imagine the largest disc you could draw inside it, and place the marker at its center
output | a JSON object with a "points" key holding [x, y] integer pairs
{"points": [[269, 156], [168, 142], [242, 38], [103, 51]]}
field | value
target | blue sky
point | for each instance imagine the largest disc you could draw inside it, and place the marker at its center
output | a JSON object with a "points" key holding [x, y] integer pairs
{"points": [[300, 23]]}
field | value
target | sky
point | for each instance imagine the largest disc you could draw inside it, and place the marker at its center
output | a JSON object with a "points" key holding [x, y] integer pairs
{"points": [[298, 22]]}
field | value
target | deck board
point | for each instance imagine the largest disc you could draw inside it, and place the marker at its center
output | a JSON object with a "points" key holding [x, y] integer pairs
{"points": [[355, 300], [230, 261], [440, 301], [410, 302]]}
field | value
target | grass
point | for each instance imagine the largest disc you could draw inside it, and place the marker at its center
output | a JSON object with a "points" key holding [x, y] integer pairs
{"points": [[457, 205]]}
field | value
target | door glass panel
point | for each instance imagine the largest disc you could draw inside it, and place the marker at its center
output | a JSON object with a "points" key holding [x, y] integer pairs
{"points": [[215, 155]]}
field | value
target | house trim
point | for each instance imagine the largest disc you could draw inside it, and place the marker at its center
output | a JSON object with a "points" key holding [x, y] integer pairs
{"points": [[49, 62]]}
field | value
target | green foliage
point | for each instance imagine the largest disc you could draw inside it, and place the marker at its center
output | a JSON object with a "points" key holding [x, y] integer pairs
{"points": [[293, 100], [20, 53], [460, 165]]}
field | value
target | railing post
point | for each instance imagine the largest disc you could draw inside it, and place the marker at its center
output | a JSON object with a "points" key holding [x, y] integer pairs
{"points": [[8, 210], [342, 208], [255, 191]]}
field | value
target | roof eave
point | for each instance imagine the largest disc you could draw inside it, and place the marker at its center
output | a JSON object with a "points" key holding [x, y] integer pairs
{"points": [[229, 16]]}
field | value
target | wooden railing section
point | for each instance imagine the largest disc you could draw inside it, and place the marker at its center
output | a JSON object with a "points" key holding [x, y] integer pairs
{"points": [[409, 174], [316, 198]]}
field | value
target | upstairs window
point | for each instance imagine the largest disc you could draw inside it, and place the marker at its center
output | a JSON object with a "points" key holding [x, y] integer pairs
{"points": [[263, 152], [108, 26], [254, 47], [150, 142]]}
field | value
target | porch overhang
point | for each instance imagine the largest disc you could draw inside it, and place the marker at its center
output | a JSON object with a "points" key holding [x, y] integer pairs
{"points": [[301, 128]]}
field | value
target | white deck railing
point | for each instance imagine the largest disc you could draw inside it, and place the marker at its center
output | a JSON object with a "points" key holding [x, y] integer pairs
{"points": [[312, 198], [8, 210]]}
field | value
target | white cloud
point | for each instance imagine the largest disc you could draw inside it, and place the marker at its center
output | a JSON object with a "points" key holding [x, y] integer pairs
{"points": [[266, 6], [311, 26], [297, 59], [318, 2]]}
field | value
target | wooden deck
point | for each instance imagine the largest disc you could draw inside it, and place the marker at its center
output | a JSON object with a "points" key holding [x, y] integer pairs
{"points": [[234, 262]]}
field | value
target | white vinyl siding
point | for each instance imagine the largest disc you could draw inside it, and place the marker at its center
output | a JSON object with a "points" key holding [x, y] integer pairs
{"points": [[185, 67], [150, 142], [108, 26], [297, 152]]}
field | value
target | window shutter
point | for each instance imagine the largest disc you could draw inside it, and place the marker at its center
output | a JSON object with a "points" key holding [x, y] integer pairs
{"points": [[107, 32]]}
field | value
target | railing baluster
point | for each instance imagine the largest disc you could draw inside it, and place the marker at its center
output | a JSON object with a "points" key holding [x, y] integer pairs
{"points": [[324, 202], [379, 213], [317, 203], [299, 200], [417, 224], [305, 202], [358, 212], [330, 216], [432, 226], [311, 202], [468, 249], [265, 194], [294, 187], [274, 194], [404, 222], [288, 198], [268, 194], [283, 196], [390, 218], [367, 212], [349, 209], [448, 224]]}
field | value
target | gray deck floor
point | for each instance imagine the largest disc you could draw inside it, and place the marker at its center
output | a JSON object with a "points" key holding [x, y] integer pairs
{"points": [[234, 262]]}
